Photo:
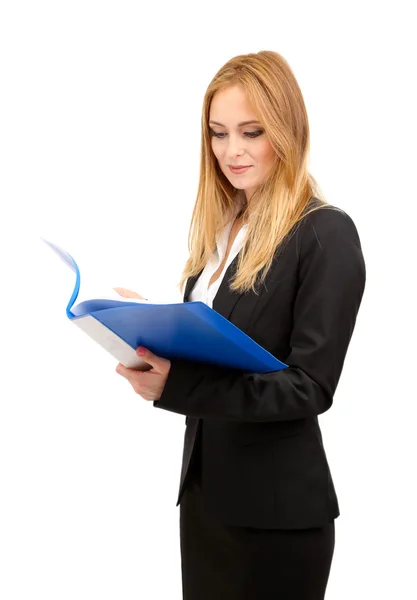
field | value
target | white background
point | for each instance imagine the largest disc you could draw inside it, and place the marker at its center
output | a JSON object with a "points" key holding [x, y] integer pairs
{"points": [[100, 140]]}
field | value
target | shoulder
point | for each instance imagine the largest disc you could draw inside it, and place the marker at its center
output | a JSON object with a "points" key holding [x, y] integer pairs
{"points": [[329, 243], [326, 227]]}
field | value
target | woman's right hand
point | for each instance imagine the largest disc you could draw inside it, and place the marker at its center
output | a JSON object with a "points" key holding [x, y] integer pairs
{"points": [[128, 293]]}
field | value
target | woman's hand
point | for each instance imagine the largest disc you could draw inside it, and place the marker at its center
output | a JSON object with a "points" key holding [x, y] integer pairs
{"points": [[148, 384], [128, 293]]}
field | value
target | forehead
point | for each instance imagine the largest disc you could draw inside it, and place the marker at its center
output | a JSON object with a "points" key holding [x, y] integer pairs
{"points": [[231, 105]]}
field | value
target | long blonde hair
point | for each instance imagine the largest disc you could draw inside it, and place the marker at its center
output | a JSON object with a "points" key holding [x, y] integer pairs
{"points": [[283, 199]]}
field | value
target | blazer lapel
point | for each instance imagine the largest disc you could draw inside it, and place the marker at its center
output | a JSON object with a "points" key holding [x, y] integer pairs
{"points": [[189, 285], [225, 299]]}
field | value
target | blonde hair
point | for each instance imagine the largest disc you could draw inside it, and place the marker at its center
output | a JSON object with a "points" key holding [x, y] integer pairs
{"points": [[283, 198]]}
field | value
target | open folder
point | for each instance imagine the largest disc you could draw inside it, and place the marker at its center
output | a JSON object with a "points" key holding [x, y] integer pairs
{"points": [[186, 330]]}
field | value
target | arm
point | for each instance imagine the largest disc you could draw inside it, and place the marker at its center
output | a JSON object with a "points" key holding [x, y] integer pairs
{"points": [[332, 280]]}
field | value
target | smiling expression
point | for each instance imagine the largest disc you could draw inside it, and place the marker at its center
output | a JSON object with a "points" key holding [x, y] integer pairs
{"points": [[238, 139]]}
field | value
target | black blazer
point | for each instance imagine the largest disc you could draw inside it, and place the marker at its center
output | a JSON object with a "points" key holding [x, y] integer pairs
{"points": [[263, 460]]}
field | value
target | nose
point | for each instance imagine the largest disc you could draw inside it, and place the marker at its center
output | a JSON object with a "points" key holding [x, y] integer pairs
{"points": [[234, 147]]}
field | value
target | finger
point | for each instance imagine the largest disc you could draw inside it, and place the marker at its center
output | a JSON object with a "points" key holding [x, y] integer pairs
{"points": [[157, 362], [119, 290], [132, 376], [128, 293], [125, 371], [120, 369]]}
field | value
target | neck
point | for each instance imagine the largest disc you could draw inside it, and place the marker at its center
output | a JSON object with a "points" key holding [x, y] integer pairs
{"points": [[241, 216]]}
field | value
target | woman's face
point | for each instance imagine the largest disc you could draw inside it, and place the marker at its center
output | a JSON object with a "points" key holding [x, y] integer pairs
{"points": [[238, 143]]}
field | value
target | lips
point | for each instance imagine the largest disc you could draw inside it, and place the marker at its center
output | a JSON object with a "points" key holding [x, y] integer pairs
{"points": [[239, 169]]}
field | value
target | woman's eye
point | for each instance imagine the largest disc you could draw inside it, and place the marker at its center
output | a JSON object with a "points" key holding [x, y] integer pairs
{"points": [[250, 134], [254, 134]]}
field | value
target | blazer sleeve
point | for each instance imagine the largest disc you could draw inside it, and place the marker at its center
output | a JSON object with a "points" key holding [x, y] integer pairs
{"points": [[331, 284]]}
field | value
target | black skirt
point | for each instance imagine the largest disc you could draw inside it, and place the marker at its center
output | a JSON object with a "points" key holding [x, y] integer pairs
{"points": [[221, 562]]}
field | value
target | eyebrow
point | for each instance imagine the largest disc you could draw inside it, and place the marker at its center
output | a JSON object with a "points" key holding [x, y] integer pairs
{"points": [[239, 124]]}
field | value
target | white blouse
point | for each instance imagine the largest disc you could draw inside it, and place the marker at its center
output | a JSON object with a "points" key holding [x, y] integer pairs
{"points": [[204, 292]]}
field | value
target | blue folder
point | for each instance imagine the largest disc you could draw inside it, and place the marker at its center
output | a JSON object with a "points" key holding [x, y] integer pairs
{"points": [[186, 330]]}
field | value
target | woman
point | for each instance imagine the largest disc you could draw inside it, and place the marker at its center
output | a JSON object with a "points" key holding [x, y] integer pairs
{"points": [[257, 501]]}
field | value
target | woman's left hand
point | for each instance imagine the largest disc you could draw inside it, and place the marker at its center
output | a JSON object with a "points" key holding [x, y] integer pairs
{"points": [[148, 384]]}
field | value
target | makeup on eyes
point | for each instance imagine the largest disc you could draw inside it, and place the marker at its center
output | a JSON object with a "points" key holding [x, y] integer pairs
{"points": [[250, 134]]}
